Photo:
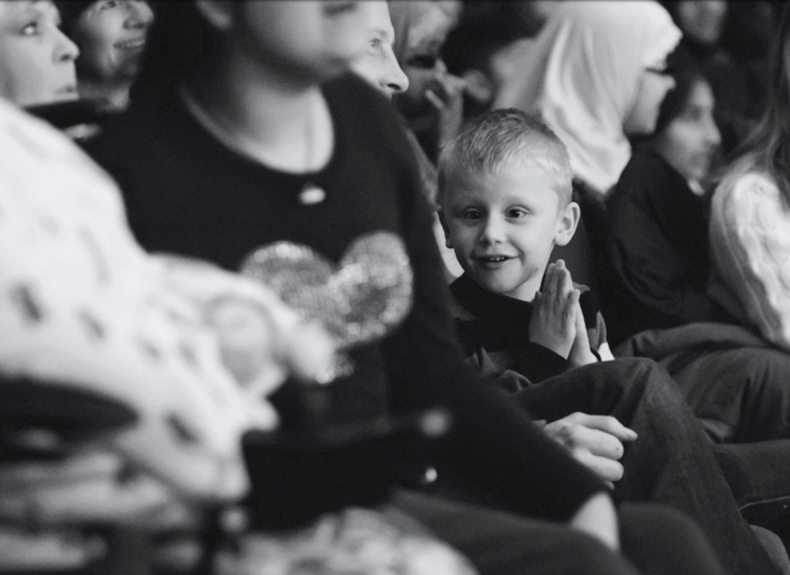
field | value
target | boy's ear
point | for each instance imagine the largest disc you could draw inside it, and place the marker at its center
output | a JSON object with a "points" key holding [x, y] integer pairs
{"points": [[216, 12], [567, 224], [442, 220]]}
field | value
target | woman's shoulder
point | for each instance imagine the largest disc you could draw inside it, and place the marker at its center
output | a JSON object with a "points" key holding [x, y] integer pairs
{"points": [[743, 188]]}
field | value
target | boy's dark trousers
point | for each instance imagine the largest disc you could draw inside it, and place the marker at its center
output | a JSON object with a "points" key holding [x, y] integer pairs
{"points": [[672, 461]]}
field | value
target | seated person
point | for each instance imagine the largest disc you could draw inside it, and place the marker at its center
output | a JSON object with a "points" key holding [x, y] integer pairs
{"points": [[503, 234], [749, 235], [111, 36], [659, 303], [520, 327], [37, 66], [127, 380], [658, 214]]}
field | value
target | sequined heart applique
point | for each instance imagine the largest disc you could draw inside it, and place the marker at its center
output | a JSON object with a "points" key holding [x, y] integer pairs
{"points": [[358, 300]]}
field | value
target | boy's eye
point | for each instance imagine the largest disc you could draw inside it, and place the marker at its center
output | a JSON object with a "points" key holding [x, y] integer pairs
{"points": [[516, 213], [375, 43], [471, 214], [109, 5]]}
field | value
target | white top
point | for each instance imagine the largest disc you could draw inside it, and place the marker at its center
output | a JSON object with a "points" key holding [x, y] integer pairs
{"points": [[82, 305], [750, 253]]}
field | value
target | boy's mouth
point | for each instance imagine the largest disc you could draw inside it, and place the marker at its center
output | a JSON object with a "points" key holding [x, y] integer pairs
{"points": [[492, 260]]}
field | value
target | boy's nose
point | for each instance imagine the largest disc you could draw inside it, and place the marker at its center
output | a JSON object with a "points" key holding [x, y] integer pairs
{"points": [[492, 232]]}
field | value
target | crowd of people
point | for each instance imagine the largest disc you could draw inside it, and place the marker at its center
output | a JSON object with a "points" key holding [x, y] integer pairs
{"points": [[394, 286]]}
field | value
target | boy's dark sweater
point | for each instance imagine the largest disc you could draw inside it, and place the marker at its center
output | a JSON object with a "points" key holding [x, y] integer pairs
{"points": [[494, 331]]}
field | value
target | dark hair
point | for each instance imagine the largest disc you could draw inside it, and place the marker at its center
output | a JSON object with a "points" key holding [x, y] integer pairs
{"points": [[70, 12], [686, 79], [768, 145], [177, 41]]}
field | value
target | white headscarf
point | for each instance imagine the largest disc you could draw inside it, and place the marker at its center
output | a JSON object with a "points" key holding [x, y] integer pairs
{"points": [[581, 75]]}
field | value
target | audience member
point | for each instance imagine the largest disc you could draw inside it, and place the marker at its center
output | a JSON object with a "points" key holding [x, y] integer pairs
{"points": [[116, 410], [520, 327], [594, 74], [36, 58], [729, 42], [475, 45], [320, 170], [379, 65], [384, 72], [748, 235], [111, 36], [658, 213], [433, 105]]}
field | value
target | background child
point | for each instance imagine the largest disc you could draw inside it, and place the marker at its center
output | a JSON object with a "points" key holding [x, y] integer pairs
{"points": [[505, 189]]}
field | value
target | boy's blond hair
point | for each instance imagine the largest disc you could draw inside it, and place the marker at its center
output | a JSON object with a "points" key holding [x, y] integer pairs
{"points": [[504, 136]]}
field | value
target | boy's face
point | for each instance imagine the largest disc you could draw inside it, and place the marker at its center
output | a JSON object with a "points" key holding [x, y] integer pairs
{"points": [[503, 226]]}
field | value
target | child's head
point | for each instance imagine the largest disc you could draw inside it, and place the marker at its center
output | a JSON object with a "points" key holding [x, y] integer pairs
{"points": [[505, 199]]}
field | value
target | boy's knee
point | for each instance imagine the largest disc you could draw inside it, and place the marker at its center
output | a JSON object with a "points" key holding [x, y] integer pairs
{"points": [[641, 376]]}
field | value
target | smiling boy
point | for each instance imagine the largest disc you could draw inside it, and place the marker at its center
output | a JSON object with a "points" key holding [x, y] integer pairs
{"points": [[505, 196]]}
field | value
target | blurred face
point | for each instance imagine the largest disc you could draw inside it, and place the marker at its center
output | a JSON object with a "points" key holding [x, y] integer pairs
{"points": [[310, 38], [36, 58], [504, 225], [421, 61], [653, 87], [378, 64], [702, 20], [689, 141], [111, 35]]}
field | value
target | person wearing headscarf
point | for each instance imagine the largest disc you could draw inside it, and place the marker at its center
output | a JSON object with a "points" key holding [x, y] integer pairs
{"points": [[593, 74]]}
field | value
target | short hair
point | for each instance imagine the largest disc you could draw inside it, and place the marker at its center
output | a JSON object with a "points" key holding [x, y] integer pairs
{"points": [[503, 136]]}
